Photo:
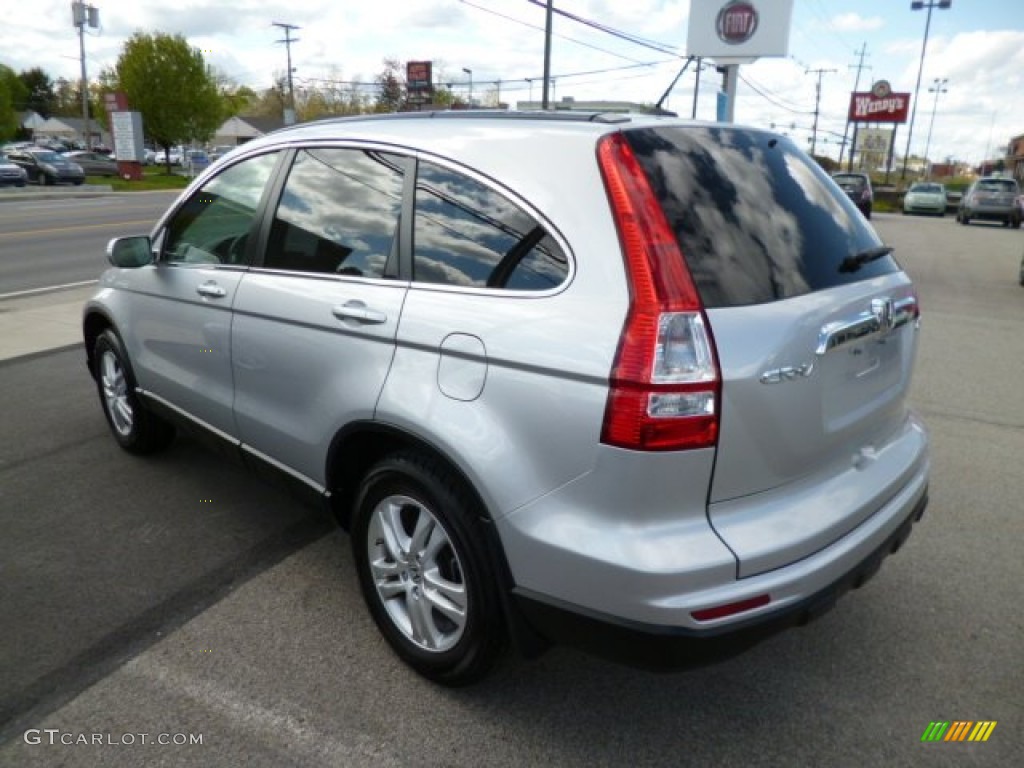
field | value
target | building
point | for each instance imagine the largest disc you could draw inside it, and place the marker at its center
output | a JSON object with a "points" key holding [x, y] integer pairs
{"points": [[241, 128], [72, 129], [1015, 157]]}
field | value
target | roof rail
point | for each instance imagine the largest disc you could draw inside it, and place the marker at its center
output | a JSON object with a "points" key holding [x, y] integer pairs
{"points": [[480, 114]]}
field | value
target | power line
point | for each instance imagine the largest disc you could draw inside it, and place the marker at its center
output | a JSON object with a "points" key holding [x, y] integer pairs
{"points": [[652, 44], [758, 90], [541, 29]]}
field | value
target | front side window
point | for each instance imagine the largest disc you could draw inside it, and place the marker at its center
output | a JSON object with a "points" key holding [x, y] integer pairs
{"points": [[467, 234], [339, 214], [212, 227]]}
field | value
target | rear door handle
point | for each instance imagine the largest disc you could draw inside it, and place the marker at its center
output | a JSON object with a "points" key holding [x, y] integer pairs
{"points": [[211, 290], [358, 311]]}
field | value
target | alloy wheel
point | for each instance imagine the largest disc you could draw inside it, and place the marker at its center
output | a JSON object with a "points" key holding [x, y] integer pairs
{"points": [[417, 573]]}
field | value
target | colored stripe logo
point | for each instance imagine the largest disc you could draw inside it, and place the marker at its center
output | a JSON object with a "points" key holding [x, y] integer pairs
{"points": [[958, 730]]}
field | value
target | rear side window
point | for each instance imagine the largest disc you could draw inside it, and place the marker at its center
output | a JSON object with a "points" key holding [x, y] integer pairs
{"points": [[467, 234], [756, 219], [339, 214]]}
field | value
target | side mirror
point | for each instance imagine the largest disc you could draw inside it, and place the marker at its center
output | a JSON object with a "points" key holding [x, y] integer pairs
{"points": [[130, 252]]}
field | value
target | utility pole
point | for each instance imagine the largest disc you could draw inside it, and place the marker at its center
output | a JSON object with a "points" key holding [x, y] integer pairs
{"points": [[82, 14], [547, 54], [856, 87], [817, 104], [289, 112]]}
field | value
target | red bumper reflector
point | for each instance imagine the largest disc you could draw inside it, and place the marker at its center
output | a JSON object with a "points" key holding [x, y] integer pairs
{"points": [[729, 609]]}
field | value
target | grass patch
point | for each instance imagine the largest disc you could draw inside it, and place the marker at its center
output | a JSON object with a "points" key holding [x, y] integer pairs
{"points": [[154, 177]]}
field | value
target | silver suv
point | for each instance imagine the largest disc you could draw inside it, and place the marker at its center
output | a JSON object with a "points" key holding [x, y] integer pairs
{"points": [[637, 384]]}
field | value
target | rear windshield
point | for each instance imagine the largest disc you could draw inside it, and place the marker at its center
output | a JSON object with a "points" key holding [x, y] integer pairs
{"points": [[844, 180], [757, 220], [1002, 186]]}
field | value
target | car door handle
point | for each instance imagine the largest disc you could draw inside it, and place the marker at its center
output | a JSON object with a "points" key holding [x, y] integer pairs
{"points": [[211, 290], [357, 310]]}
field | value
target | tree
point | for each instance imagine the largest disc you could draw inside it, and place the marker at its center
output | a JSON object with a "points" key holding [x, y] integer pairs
{"points": [[391, 84], [169, 83], [41, 96], [8, 114]]}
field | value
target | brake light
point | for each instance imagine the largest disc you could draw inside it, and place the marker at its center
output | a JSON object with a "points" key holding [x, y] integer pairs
{"points": [[665, 386]]}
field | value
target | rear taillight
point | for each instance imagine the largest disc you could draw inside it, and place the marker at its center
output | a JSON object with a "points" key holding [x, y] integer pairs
{"points": [[665, 386]]}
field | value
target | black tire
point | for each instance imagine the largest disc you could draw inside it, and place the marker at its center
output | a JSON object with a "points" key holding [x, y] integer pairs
{"points": [[965, 220], [1015, 223], [135, 429], [45, 180], [403, 494], [78, 182], [1021, 277]]}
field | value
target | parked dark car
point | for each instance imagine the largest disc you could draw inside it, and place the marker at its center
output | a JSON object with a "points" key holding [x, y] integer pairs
{"points": [[991, 198], [858, 187], [44, 166], [93, 163]]}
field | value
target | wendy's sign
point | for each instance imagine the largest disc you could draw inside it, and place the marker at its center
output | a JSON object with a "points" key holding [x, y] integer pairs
{"points": [[879, 105]]}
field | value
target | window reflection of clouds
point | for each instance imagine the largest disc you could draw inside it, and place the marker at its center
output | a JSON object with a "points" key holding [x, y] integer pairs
{"points": [[757, 221], [464, 230], [345, 198], [243, 182], [728, 205]]}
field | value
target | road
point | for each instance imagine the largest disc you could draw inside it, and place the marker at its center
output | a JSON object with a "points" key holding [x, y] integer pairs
{"points": [[132, 605], [46, 242]]}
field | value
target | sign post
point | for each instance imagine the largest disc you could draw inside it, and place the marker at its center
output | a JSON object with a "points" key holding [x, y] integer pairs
{"points": [[735, 32], [126, 131]]}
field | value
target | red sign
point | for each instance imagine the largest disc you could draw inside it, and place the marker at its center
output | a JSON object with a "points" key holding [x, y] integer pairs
{"points": [[417, 75], [869, 107], [736, 22]]}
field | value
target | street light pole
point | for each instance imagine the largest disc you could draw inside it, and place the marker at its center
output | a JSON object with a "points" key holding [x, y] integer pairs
{"points": [[938, 86], [470, 73], [917, 5]]}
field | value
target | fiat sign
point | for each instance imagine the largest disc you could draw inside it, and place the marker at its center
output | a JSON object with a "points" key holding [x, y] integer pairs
{"points": [[736, 22], [739, 29]]}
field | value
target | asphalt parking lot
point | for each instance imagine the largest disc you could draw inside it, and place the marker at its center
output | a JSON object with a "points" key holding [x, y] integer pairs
{"points": [[132, 605]]}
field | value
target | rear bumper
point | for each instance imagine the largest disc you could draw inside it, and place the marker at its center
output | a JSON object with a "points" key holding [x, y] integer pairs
{"points": [[670, 647]]}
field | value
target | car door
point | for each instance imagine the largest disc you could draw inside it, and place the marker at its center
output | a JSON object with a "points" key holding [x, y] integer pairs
{"points": [[315, 319], [178, 317]]}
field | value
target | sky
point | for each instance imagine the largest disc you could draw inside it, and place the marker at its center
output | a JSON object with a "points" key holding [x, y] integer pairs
{"points": [[977, 46]]}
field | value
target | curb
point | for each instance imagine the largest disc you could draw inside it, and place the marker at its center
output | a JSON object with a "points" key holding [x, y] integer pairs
{"points": [[21, 194]]}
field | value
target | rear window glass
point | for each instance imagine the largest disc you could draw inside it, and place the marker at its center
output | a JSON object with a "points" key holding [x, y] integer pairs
{"points": [[757, 220], [1002, 186], [850, 181]]}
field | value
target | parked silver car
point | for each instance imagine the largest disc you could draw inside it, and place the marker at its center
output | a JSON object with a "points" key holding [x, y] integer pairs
{"points": [[992, 198], [10, 173], [637, 384]]}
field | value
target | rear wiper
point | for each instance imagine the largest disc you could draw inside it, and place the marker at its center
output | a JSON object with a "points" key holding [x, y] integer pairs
{"points": [[857, 260]]}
